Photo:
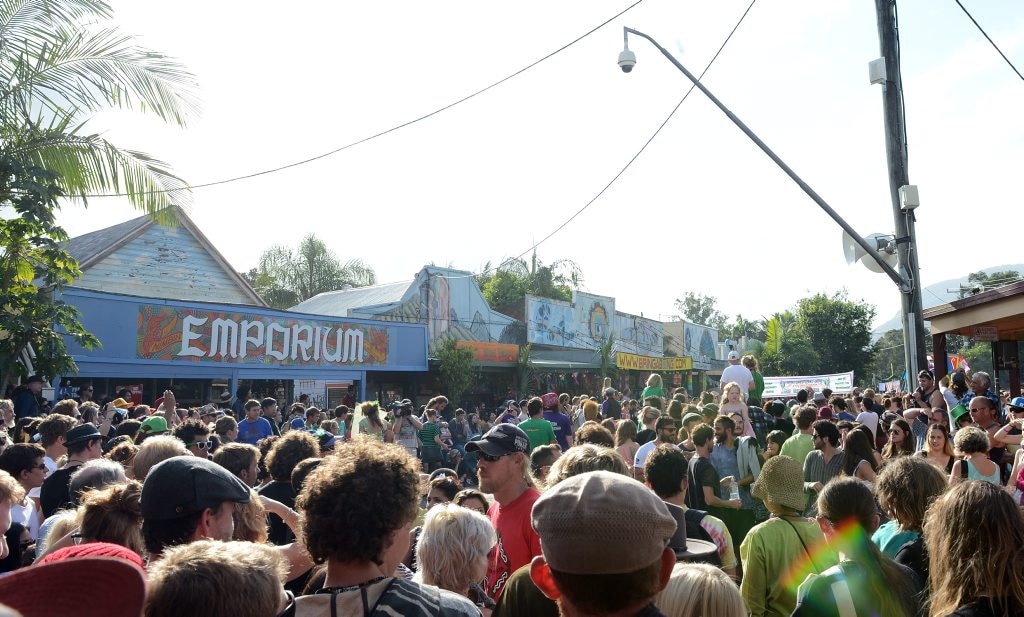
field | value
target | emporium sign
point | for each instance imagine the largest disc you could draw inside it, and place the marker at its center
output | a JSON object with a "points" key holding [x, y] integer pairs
{"points": [[633, 362], [172, 333]]}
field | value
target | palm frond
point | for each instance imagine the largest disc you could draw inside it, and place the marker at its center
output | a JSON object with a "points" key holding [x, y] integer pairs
{"points": [[29, 19]]}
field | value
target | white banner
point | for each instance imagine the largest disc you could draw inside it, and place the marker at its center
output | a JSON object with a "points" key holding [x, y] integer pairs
{"points": [[787, 387]]}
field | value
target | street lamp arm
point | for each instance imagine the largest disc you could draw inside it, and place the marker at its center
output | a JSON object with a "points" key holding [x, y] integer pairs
{"points": [[900, 281]]}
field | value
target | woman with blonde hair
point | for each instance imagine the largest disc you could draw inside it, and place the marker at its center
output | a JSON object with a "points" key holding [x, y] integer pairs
{"points": [[113, 515], [625, 440], [370, 423], [155, 450], [699, 590], [974, 534], [452, 550], [654, 388], [938, 449]]}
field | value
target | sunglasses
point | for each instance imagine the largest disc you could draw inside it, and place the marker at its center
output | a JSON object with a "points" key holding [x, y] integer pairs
{"points": [[202, 445], [489, 458]]}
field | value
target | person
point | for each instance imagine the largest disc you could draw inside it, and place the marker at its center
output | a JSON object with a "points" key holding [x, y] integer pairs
{"points": [[84, 443], [973, 534], [472, 499], [504, 473], [754, 397], [24, 463], [461, 431], [610, 406], [560, 422], [292, 448], [112, 514], [452, 551], [737, 465], [864, 582], [597, 434], [541, 460], [665, 432], [26, 397], [732, 402], [156, 450], [242, 396], [822, 464], [905, 489], [653, 387], [648, 417], [625, 439], [666, 474], [195, 435], [432, 449], [985, 415], [785, 543], [800, 445], [980, 384], [270, 410], [901, 440], [938, 449], [537, 429], [738, 373], [229, 579], [188, 498], [253, 428], [370, 424], [703, 482], [700, 590], [868, 417], [406, 427], [621, 574], [362, 541], [927, 394], [775, 440], [972, 445], [859, 457]]}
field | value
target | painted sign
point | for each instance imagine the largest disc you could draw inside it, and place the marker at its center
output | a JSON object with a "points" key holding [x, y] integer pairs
{"points": [[639, 335], [595, 316], [839, 383], [700, 343], [634, 362], [551, 322], [173, 333], [495, 353]]}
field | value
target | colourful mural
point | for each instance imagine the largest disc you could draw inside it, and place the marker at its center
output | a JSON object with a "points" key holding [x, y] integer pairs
{"points": [[170, 333], [639, 335]]}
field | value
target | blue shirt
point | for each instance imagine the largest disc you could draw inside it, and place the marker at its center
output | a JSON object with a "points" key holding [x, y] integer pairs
{"points": [[562, 426], [252, 432]]}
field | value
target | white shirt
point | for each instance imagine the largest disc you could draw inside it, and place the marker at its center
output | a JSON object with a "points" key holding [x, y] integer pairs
{"points": [[740, 374], [50, 468], [27, 515], [870, 420], [644, 453]]}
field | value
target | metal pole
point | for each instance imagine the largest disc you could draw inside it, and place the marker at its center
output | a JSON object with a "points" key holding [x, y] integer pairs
{"points": [[870, 250], [896, 159]]}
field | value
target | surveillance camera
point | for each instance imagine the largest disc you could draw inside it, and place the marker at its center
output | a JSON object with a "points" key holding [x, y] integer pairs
{"points": [[627, 60]]}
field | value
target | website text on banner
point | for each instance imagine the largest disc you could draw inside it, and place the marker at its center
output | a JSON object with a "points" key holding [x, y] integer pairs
{"points": [[776, 387], [634, 362]]}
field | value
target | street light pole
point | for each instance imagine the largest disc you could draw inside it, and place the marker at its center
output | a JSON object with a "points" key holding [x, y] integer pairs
{"points": [[906, 281]]}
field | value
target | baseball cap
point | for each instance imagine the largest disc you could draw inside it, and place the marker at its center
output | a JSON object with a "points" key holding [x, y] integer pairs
{"points": [[185, 485], [501, 440], [610, 506], [550, 400], [734, 355], [298, 423], [86, 587], [81, 433], [1017, 402], [153, 425]]}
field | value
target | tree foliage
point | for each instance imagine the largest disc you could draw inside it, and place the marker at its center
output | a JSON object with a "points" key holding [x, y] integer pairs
{"points": [[61, 62], [839, 331], [286, 277], [33, 266], [510, 283], [787, 349], [456, 369], [701, 310], [978, 282], [890, 361]]}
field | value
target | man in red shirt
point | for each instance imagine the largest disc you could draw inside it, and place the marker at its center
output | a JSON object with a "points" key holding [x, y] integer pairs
{"points": [[503, 468]]}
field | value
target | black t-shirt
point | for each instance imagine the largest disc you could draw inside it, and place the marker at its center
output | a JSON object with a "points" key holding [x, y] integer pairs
{"points": [[648, 434], [55, 495], [279, 534], [988, 608], [701, 473]]}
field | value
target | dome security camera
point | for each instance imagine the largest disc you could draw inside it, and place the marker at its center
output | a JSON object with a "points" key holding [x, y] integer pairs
{"points": [[627, 60]]}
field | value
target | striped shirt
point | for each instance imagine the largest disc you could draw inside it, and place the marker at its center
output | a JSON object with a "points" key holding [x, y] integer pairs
{"points": [[817, 470]]}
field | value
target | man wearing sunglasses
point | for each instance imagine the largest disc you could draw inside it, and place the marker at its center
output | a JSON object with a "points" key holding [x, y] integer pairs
{"points": [[503, 469], [196, 436]]}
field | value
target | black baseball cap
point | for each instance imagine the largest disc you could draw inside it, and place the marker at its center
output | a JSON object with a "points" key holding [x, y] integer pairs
{"points": [[503, 439], [81, 433], [186, 485]]}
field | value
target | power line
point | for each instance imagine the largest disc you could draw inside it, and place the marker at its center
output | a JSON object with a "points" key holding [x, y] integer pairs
{"points": [[392, 129], [982, 30]]}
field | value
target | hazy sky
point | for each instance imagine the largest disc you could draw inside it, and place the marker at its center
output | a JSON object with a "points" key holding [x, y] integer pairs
{"points": [[702, 209]]}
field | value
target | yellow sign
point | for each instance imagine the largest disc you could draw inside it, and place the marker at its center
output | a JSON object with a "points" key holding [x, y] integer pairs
{"points": [[633, 362]]}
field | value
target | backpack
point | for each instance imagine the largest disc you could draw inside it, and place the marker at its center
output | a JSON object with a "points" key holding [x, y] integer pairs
{"points": [[693, 528]]}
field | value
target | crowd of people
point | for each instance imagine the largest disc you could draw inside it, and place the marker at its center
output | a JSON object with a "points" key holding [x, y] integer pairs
{"points": [[723, 504]]}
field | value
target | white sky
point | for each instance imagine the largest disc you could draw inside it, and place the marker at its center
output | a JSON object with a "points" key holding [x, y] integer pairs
{"points": [[702, 209]]}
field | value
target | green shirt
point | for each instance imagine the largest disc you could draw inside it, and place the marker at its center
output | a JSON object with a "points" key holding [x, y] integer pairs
{"points": [[798, 447], [427, 434], [539, 431]]}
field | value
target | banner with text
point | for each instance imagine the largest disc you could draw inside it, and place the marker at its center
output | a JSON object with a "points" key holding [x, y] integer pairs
{"points": [[633, 362], [775, 387], [169, 333]]}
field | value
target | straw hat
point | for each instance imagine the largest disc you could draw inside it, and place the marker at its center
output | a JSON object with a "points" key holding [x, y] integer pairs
{"points": [[781, 482]]}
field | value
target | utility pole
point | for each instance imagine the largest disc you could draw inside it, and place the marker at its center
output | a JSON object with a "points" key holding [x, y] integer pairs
{"points": [[896, 155]]}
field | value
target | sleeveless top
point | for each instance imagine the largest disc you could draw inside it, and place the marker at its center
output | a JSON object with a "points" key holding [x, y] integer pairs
{"points": [[974, 474]]}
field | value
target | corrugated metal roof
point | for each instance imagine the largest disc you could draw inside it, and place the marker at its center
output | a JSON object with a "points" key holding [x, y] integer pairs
{"points": [[339, 303], [86, 248]]}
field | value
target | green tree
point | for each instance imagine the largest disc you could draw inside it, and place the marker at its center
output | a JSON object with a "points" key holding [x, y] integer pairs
{"points": [[889, 357], [62, 61], [978, 282], [979, 357], [286, 277], [741, 327], [509, 283], [33, 267], [456, 369], [787, 350], [840, 332], [700, 309]]}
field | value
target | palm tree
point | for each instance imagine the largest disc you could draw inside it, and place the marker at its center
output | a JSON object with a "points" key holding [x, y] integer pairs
{"points": [[285, 277], [61, 61]]}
